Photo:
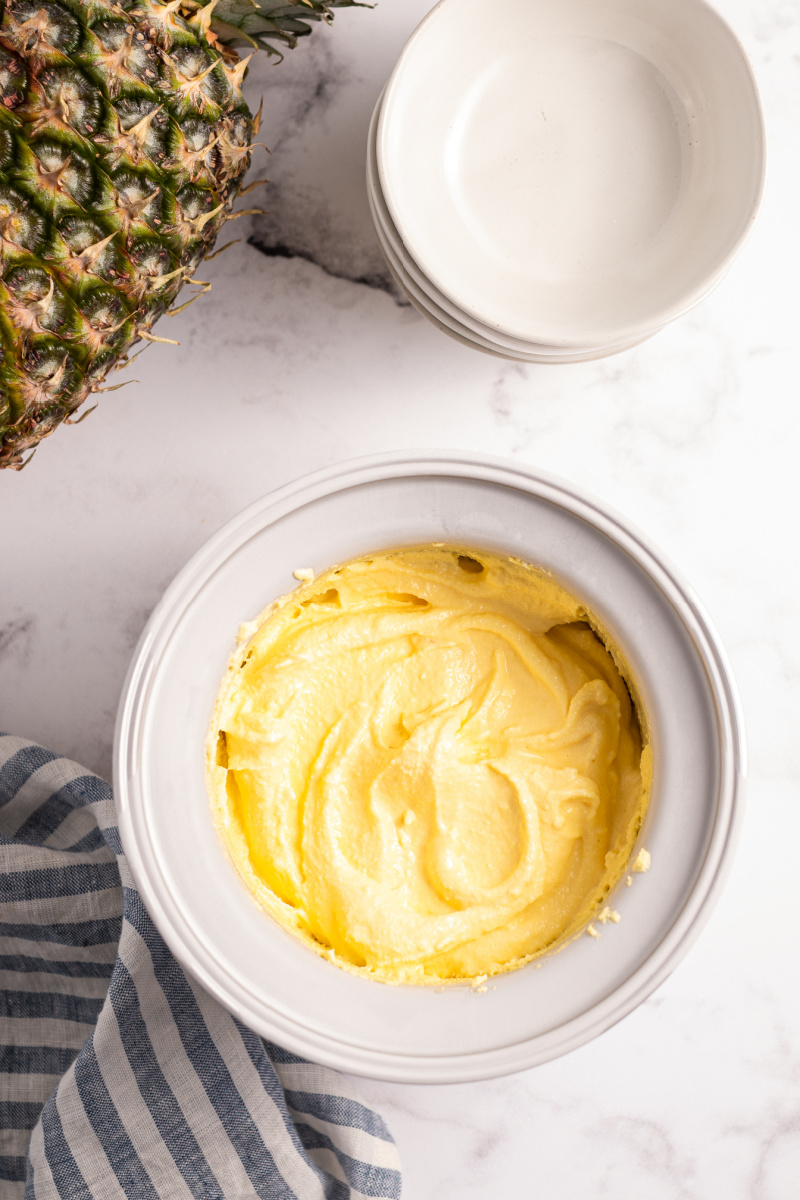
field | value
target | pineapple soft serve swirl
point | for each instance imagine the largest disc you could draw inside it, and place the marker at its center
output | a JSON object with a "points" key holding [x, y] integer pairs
{"points": [[427, 764]]}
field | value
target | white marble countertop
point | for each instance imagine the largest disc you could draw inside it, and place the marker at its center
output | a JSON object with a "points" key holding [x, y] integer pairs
{"points": [[302, 356]]}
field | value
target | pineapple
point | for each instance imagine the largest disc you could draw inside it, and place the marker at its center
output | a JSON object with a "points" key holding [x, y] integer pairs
{"points": [[124, 138]]}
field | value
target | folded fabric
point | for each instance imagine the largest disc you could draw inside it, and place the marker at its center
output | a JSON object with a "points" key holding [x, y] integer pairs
{"points": [[119, 1076]]}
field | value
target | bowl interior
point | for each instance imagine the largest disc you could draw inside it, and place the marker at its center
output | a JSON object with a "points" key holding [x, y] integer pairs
{"points": [[436, 307], [582, 178], [261, 973], [397, 254]]}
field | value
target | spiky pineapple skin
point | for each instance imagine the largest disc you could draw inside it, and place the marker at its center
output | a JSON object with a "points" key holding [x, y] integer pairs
{"points": [[123, 140]]}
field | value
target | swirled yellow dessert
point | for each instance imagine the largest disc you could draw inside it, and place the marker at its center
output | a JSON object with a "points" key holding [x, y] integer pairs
{"points": [[427, 764]]}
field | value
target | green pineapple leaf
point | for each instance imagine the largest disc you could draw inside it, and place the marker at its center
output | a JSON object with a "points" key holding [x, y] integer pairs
{"points": [[262, 22]]}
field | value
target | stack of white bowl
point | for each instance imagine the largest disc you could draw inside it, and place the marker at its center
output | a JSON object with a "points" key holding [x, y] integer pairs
{"points": [[562, 182]]}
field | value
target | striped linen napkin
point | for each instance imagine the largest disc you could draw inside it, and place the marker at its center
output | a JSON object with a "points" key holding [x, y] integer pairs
{"points": [[120, 1078]]}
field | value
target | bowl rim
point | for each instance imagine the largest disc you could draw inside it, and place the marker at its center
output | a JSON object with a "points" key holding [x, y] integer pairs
{"points": [[688, 921], [633, 331]]}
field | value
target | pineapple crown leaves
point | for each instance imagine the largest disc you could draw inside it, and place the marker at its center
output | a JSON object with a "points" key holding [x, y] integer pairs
{"points": [[261, 23]]}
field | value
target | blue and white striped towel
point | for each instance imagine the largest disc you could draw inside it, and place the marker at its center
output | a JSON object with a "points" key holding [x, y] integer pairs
{"points": [[119, 1076]]}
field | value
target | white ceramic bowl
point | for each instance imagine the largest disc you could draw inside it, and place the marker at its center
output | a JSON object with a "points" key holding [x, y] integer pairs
{"points": [[438, 309], [420, 287], [572, 173], [260, 972]]}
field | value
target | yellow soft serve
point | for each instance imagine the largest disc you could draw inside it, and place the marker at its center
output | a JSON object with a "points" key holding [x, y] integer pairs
{"points": [[427, 764]]}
